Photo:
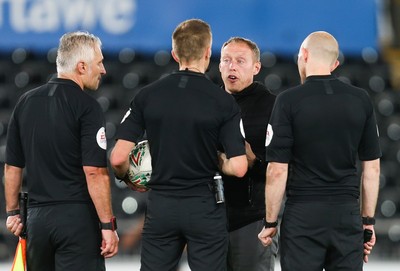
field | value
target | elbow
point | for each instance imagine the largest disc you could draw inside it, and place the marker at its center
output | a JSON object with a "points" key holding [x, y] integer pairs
{"points": [[241, 172], [240, 168]]}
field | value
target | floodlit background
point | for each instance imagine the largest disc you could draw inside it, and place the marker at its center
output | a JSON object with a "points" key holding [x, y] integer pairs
{"points": [[136, 38]]}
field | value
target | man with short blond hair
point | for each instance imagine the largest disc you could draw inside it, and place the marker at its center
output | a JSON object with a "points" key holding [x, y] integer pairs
{"points": [[186, 118]]}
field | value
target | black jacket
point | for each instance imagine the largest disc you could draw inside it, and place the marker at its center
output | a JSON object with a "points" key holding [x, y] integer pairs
{"points": [[245, 197]]}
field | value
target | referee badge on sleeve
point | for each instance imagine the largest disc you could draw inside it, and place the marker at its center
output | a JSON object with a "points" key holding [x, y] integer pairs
{"points": [[126, 115], [242, 129], [101, 138], [270, 134]]}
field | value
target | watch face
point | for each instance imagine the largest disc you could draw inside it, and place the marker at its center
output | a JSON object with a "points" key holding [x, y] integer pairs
{"points": [[114, 223]]}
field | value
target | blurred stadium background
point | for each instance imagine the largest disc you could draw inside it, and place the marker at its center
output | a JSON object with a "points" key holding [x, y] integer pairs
{"points": [[136, 45]]}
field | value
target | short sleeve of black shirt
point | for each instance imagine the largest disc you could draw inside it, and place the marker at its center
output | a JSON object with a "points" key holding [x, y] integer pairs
{"points": [[279, 139], [369, 148], [132, 125]]}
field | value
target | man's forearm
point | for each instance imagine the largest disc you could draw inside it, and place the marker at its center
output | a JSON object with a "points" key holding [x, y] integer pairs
{"points": [[100, 192], [275, 189], [12, 186], [370, 187]]}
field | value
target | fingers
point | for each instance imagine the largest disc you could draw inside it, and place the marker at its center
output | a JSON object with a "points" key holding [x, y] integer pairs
{"points": [[109, 246], [137, 188], [368, 246], [265, 241], [14, 225], [265, 238], [109, 252]]}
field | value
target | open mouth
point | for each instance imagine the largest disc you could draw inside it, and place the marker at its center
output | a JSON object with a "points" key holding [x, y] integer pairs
{"points": [[232, 77]]}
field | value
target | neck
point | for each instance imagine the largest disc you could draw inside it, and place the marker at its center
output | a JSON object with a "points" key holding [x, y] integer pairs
{"points": [[194, 66], [191, 68], [72, 77]]}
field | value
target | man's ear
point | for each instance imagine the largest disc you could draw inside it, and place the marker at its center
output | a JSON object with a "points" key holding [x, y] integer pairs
{"points": [[304, 52], [335, 65], [174, 56], [81, 67], [208, 53], [257, 68]]}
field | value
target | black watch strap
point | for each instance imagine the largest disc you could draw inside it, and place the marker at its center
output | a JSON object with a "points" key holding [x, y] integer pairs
{"points": [[112, 225], [270, 224], [13, 212], [367, 220]]}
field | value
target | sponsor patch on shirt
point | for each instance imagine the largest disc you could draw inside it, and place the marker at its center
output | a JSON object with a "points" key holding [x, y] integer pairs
{"points": [[101, 138], [269, 135]]}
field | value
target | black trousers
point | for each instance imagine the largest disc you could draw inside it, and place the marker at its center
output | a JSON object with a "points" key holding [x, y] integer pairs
{"points": [[175, 221], [64, 237], [322, 235], [246, 253]]}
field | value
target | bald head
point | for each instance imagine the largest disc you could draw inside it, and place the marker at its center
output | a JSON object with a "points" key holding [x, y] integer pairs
{"points": [[322, 46], [318, 55]]}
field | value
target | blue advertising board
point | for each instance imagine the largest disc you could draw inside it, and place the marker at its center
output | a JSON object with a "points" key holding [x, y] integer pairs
{"points": [[146, 25]]}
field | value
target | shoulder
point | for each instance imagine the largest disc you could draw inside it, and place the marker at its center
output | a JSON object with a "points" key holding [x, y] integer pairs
{"points": [[290, 93], [33, 92], [355, 90]]}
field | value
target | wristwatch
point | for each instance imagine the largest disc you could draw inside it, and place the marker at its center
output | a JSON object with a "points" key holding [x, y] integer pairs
{"points": [[367, 220], [112, 225], [270, 224], [13, 212]]}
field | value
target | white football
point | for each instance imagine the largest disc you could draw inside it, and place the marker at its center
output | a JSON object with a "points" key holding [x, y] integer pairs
{"points": [[140, 165]]}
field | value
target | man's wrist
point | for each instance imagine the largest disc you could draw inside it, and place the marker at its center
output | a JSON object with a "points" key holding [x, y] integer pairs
{"points": [[13, 212], [123, 178], [368, 220], [268, 224], [112, 225]]}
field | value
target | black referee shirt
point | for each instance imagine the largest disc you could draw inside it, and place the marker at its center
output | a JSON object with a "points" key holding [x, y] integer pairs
{"points": [[54, 131], [185, 116], [321, 128]]}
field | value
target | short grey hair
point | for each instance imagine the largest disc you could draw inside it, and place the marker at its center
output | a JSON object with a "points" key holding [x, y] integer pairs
{"points": [[75, 47]]}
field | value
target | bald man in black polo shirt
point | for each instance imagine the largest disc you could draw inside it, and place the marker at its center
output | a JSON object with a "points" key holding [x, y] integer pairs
{"points": [[320, 128]]}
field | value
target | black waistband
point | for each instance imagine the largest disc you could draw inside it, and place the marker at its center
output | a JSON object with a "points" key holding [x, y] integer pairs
{"points": [[322, 198], [195, 190]]}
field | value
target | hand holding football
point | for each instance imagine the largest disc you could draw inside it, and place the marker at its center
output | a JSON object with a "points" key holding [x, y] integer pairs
{"points": [[140, 169]]}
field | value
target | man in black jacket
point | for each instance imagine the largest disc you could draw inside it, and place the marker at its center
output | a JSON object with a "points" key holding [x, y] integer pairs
{"points": [[240, 62]]}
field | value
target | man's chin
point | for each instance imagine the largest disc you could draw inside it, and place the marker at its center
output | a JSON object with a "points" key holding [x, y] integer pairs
{"points": [[92, 88], [233, 90]]}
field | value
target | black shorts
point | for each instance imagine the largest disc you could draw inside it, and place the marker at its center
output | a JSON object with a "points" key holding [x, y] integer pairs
{"points": [[175, 221], [64, 237], [322, 235]]}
